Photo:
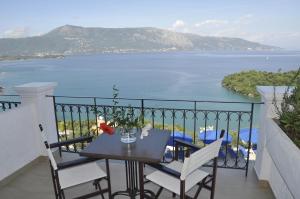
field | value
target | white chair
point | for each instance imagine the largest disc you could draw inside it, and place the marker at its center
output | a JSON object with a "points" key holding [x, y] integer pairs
{"points": [[75, 172], [179, 177]]}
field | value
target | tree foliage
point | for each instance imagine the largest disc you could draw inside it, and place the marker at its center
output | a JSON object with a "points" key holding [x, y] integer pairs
{"points": [[289, 110], [245, 82]]}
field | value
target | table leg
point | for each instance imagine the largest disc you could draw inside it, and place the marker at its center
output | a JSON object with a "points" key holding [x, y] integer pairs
{"points": [[134, 181], [108, 178], [141, 178]]}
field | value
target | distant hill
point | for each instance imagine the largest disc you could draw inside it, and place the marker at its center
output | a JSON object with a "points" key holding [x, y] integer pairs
{"points": [[69, 40]]}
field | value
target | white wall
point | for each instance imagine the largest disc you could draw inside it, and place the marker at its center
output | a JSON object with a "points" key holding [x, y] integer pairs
{"points": [[284, 174], [18, 143], [20, 138], [278, 159]]}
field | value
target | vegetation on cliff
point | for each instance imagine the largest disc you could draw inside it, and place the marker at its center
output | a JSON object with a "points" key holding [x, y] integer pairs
{"points": [[245, 82]]}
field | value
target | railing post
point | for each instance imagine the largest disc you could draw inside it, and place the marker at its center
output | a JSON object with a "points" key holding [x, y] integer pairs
{"points": [[249, 141], [195, 118], [184, 118], [142, 111], [227, 135], [95, 104], [3, 106], [173, 129], [56, 122]]}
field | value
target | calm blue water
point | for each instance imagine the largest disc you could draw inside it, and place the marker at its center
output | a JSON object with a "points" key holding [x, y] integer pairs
{"points": [[180, 75], [166, 75]]}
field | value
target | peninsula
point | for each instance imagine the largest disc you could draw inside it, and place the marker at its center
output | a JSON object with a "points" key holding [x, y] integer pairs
{"points": [[245, 82]]}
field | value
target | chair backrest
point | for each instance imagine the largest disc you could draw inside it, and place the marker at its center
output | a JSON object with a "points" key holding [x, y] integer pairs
{"points": [[49, 152], [200, 157]]}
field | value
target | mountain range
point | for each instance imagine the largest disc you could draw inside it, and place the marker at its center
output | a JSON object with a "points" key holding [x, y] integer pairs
{"points": [[70, 40]]}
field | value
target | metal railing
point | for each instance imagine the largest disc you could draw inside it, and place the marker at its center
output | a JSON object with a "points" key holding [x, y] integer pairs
{"points": [[78, 116], [8, 102]]}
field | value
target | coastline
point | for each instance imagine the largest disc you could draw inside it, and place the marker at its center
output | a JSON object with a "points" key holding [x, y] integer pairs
{"points": [[25, 57]]}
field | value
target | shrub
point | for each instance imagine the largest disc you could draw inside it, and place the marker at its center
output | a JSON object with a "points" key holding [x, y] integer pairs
{"points": [[289, 110]]}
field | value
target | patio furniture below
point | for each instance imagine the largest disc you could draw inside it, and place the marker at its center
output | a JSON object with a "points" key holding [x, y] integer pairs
{"points": [[179, 136], [245, 133], [233, 152], [211, 135], [243, 151]]}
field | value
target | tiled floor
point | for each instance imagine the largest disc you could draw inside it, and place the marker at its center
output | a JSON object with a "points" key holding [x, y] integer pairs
{"points": [[36, 183]]}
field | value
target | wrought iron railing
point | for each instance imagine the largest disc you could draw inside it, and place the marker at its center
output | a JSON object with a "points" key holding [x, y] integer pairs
{"points": [[8, 102], [78, 116]]}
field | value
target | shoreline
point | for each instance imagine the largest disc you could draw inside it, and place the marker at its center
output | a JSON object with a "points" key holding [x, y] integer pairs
{"points": [[20, 58]]}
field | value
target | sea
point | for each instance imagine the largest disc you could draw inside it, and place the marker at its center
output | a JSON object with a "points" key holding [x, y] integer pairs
{"points": [[171, 75]]}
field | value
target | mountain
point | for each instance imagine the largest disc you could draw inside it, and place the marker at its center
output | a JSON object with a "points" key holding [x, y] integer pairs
{"points": [[69, 40]]}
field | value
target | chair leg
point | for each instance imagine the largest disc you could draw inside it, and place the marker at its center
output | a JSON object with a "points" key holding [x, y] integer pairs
{"points": [[108, 178], [60, 192], [182, 196], [99, 187], [213, 183], [158, 192], [96, 183], [199, 189], [63, 194], [182, 189], [54, 183], [60, 195]]}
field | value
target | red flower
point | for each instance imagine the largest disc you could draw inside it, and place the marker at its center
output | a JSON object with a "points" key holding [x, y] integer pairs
{"points": [[106, 128]]}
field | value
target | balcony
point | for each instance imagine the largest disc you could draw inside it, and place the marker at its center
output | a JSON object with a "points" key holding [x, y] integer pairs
{"points": [[35, 182], [26, 172]]}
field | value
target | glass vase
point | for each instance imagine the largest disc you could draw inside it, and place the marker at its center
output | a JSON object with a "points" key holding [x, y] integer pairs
{"points": [[128, 135]]}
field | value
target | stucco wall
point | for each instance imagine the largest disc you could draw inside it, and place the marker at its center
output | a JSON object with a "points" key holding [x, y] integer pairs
{"points": [[20, 137], [278, 159], [18, 143]]}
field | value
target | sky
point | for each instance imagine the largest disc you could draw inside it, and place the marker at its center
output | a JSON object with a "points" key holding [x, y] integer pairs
{"points": [[272, 22]]}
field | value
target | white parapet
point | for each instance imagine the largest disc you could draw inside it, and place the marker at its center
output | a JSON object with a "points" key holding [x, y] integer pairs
{"points": [[278, 159], [36, 93], [20, 136]]}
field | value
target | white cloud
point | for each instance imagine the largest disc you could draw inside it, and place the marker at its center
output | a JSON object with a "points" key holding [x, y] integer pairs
{"points": [[238, 27], [178, 24], [221, 27], [243, 20], [16, 32], [211, 22], [241, 27]]}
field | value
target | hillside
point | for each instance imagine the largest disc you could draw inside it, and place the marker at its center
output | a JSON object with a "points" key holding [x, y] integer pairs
{"points": [[69, 40]]}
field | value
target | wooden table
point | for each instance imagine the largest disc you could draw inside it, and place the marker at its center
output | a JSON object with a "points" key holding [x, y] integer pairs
{"points": [[148, 150]]}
